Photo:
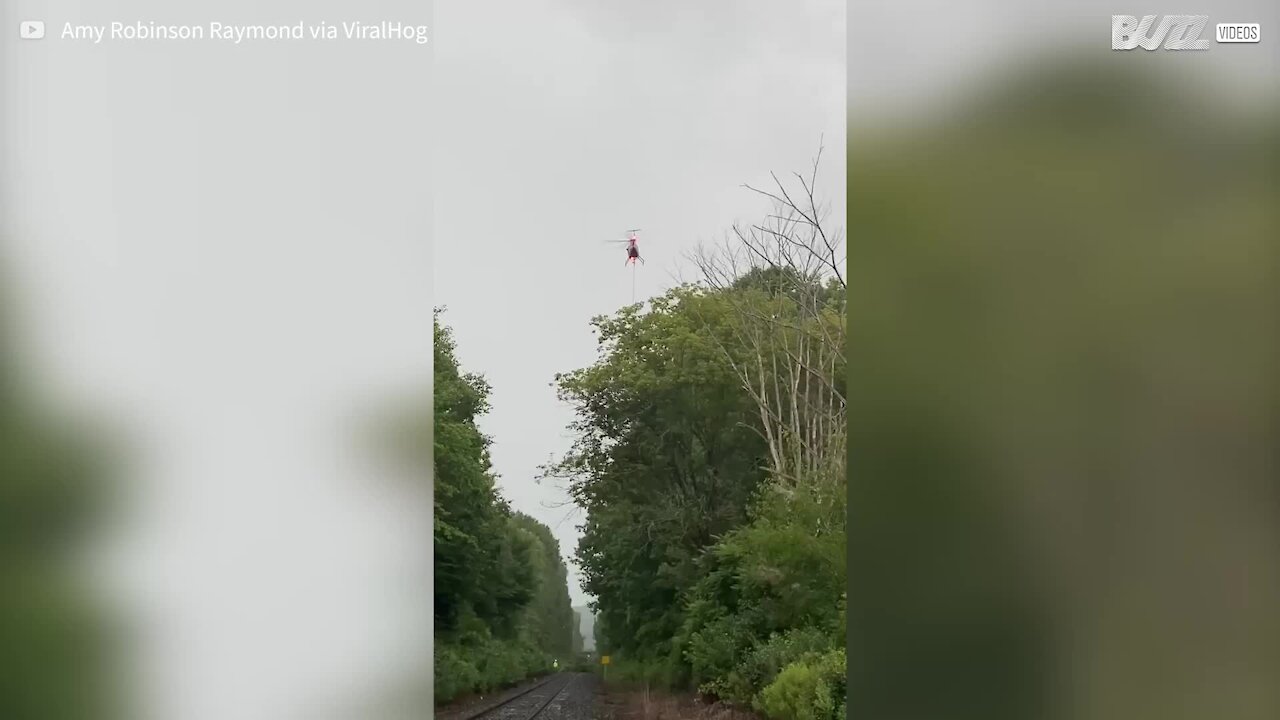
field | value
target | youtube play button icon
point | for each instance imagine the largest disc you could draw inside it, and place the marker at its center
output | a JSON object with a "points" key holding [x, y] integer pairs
{"points": [[32, 29]]}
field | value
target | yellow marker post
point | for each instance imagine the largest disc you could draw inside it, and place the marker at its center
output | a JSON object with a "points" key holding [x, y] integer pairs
{"points": [[604, 661]]}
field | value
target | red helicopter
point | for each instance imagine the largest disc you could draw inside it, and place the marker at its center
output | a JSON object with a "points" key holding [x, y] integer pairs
{"points": [[633, 247]]}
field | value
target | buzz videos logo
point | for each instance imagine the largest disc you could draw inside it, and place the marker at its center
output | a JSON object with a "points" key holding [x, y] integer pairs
{"points": [[1179, 32], [1175, 32]]}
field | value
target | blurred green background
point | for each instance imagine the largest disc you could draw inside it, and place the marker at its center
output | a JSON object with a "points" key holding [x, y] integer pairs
{"points": [[1063, 358], [55, 647]]}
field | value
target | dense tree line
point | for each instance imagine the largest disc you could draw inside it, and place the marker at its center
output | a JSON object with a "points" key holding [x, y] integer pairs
{"points": [[710, 459], [502, 609]]}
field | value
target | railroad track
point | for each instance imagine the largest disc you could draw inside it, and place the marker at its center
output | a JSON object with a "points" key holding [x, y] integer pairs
{"points": [[527, 704]]}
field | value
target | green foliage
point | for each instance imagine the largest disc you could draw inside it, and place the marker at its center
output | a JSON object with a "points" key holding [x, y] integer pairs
{"points": [[665, 462], [455, 671], [714, 650], [762, 666], [502, 609], [708, 570], [777, 595], [549, 617], [812, 688], [480, 662], [598, 639], [575, 637]]}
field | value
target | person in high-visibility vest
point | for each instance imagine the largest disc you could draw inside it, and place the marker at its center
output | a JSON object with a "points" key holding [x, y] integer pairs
{"points": [[555, 664]]}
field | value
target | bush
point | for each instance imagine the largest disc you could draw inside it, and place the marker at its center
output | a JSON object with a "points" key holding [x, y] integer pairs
{"points": [[714, 651], [649, 673], [484, 666], [808, 689], [763, 665], [454, 674]]}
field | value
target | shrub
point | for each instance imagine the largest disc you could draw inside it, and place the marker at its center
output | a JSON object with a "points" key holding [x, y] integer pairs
{"points": [[453, 673], [764, 663], [483, 665], [715, 650], [808, 689]]}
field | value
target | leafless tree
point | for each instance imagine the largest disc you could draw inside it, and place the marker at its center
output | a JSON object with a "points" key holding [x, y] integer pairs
{"points": [[789, 314]]}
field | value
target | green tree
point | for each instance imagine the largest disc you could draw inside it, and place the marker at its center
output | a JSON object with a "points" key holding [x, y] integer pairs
{"points": [[550, 617], [664, 463], [502, 609], [576, 640], [469, 515]]}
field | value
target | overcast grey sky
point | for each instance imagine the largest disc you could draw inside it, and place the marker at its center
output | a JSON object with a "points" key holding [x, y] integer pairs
{"points": [[565, 122]]}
